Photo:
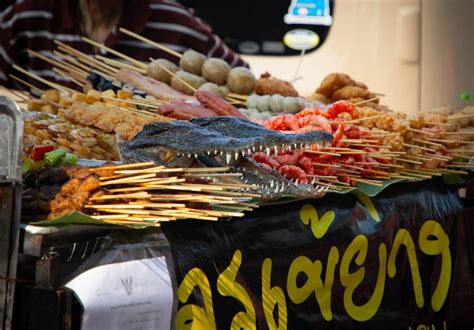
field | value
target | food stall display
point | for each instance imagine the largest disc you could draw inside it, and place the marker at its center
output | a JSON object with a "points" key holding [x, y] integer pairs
{"points": [[183, 147]]}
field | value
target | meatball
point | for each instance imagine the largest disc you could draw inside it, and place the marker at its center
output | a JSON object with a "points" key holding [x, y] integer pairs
{"points": [[252, 101], [156, 71], [241, 80], [192, 61], [276, 103], [291, 105], [191, 79], [263, 103], [221, 91], [216, 70]]}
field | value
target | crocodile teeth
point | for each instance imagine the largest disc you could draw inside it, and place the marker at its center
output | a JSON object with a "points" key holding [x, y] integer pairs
{"points": [[260, 148], [296, 182], [275, 148], [295, 145], [267, 151], [314, 180], [253, 148], [236, 155], [189, 155], [216, 152], [228, 157], [249, 151], [276, 188], [246, 180], [282, 187], [222, 153], [271, 183], [208, 152]]}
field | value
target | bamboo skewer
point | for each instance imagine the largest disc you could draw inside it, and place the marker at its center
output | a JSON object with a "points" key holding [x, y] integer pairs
{"points": [[119, 65], [366, 101], [44, 81], [58, 64], [27, 84], [66, 75], [456, 117], [151, 42], [361, 119], [116, 53], [92, 63], [175, 76]]}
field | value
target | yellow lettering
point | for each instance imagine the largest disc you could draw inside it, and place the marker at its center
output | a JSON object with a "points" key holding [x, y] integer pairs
{"points": [[369, 205], [314, 283], [358, 249], [227, 286], [190, 316], [403, 238], [273, 297], [319, 227], [433, 241]]}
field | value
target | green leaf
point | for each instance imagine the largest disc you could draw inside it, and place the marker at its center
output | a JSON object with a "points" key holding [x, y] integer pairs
{"points": [[465, 96], [77, 218]]}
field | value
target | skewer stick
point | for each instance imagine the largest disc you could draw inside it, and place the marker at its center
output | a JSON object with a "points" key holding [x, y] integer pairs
{"points": [[56, 63], [86, 60], [365, 170], [362, 119], [27, 84], [456, 117], [131, 101], [442, 140], [238, 96], [428, 142], [73, 61], [326, 165], [44, 81], [418, 147], [151, 42], [114, 167], [366, 101], [116, 53], [369, 182], [462, 156], [418, 175], [322, 152], [176, 76], [453, 171], [408, 161], [421, 131], [65, 75], [118, 64], [436, 124], [460, 133]]}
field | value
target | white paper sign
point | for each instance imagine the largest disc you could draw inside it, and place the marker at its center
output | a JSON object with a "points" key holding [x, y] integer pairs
{"points": [[131, 295]]}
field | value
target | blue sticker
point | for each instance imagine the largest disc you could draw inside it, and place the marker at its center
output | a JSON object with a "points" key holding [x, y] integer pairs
{"points": [[314, 12]]}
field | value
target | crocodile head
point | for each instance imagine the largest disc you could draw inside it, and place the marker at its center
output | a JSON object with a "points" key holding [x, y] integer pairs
{"points": [[223, 141]]}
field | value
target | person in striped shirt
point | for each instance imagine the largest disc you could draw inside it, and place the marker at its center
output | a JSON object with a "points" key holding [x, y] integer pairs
{"points": [[35, 24]]}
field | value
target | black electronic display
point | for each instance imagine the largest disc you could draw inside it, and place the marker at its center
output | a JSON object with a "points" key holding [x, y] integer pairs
{"points": [[258, 27]]}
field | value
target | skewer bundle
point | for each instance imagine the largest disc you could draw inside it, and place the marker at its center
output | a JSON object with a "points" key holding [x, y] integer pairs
{"points": [[145, 194]]}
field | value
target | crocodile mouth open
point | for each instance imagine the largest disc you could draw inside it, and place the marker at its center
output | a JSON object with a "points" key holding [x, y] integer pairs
{"points": [[223, 141]]}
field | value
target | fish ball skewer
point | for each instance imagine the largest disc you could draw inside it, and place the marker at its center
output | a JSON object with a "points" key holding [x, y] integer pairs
{"points": [[216, 70], [241, 80], [193, 80], [155, 70], [192, 61]]}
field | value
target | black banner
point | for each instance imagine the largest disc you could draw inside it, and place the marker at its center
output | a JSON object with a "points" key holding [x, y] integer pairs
{"points": [[400, 260]]}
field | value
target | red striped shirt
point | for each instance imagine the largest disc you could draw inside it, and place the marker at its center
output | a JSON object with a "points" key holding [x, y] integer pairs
{"points": [[35, 24]]}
